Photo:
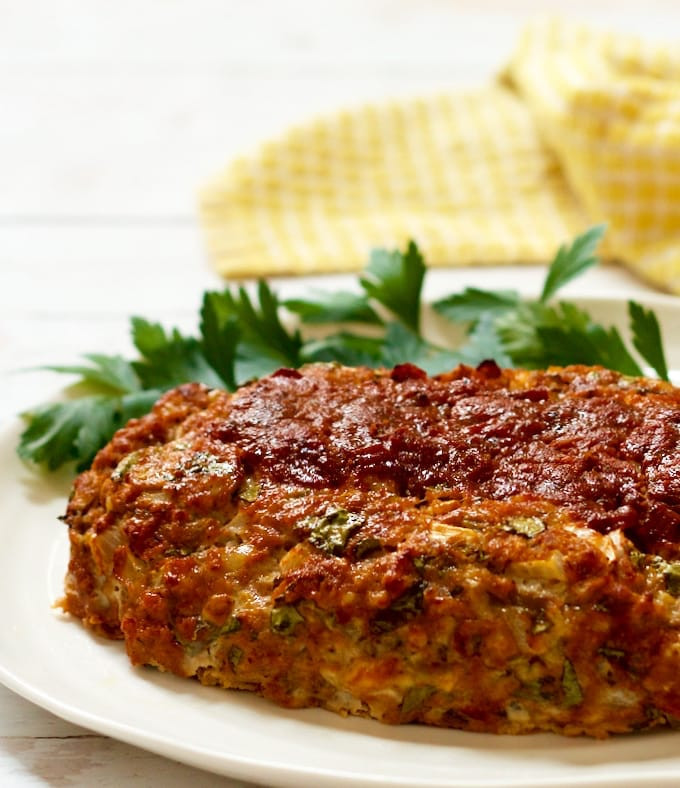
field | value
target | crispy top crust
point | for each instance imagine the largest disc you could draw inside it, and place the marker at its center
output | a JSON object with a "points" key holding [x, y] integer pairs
{"points": [[601, 444]]}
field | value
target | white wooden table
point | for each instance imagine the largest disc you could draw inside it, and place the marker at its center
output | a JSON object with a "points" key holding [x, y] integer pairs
{"points": [[111, 116]]}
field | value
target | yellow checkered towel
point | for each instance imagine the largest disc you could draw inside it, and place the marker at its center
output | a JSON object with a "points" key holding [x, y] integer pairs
{"points": [[580, 128]]}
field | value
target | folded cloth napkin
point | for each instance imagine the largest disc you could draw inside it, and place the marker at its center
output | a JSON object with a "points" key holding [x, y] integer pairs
{"points": [[580, 128]]}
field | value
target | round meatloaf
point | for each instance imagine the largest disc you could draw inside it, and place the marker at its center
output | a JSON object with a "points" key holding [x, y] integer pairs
{"points": [[490, 550]]}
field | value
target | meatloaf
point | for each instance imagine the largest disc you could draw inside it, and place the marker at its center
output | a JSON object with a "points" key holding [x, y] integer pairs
{"points": [[491, 550]]}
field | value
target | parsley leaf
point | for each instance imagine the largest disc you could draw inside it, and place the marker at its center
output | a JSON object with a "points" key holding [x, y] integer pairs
{"points": [[395, 280], [334, 307], [75, 430], [483, 343], [169, 359], [263, 343], [220, 334], [112, 373], [403, 345], [468, 306], [537, 335], [571, 261], [589, 343], [647, 338], [52, 430], [353, 350]]}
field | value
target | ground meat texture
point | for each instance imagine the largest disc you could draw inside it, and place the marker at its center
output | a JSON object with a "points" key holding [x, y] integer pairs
{"points": [[492, 550]]}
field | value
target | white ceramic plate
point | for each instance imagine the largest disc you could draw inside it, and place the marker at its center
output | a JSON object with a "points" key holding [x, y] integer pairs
{"points": [[55, 663]]}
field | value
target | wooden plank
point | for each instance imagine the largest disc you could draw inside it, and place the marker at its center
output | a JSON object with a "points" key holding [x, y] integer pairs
{"points": [[20, 718], [67, 34], [88, 760]]}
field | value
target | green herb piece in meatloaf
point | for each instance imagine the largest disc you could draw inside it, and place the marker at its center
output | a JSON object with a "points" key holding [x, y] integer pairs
{"points": [[415, 697], [672, 577], [524, 526], [331, 531], [573, 694], [284, 619], [404, 607]]}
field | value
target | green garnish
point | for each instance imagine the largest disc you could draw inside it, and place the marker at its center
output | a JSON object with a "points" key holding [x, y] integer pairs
{"points": [[284, 619], [366, 547], [668, 570], [249, 490], [611, 653], [535, 335], [415, 697], [402, 609], [62, 432], [235, 655], [338, 307], [647, 338], [242, 336], [395, 280], [331, 531], [232, 625], [126, 464], [524, 526], [571, 689], [570, 261], [468, 306], [672, 577], [541, 624]]}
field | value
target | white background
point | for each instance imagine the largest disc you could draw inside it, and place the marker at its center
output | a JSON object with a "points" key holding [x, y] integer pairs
{"points": [[112, 115]]}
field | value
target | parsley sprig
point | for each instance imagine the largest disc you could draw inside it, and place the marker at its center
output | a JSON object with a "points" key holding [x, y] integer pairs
{"points": [[243, 335]]}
